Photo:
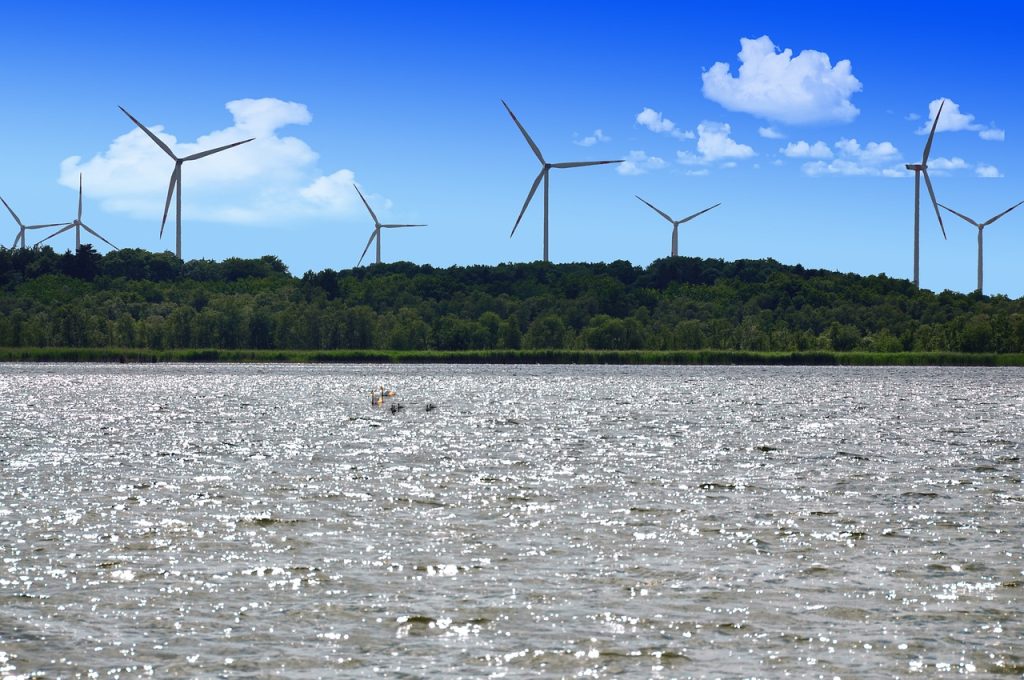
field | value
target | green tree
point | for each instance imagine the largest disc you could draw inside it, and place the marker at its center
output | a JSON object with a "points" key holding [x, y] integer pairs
{"points": [[546, 332]]}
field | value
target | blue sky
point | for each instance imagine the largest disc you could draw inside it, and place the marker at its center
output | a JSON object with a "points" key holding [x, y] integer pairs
{"points": [[803, 148]]}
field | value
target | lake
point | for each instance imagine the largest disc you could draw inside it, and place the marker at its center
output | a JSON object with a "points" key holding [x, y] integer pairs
{"points": [[258, 520]]}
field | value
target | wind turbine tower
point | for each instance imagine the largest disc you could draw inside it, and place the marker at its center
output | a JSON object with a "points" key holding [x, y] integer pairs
{"points": [[377, 226], [543, 175], [176, 177], [78, 225], [981, 231], [676, 223], [22, 227], [919, 169]]}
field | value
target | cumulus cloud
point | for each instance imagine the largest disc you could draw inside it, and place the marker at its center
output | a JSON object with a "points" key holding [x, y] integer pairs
{"points": [[954, 120], [802, 149], [770, 133], [655, 122], [987, 171], [714, 144], [270, 179], [840, 166], [774, 84], [872, 153], [639, 163], [854, 159], [591, 140], [993, 135], [879, 159], [946, 164]]}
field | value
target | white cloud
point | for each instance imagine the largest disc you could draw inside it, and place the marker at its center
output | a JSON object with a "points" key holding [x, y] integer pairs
{"points": [[987, 171], [655, 122], [953, 120], [873, 153], [802, 149], [713, 142], [955, 163], [913, 116], [776, 85], [839, 166], [274, 178], [331, 193], [698, 173], [591, 140], [638, 163], [770, 133], [689, 158], [872, 159]]}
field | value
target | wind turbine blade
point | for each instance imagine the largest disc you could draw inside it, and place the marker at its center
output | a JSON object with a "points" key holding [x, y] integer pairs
{"points": [[698, 214], [79, 196], [203, 154], [655, 209], [985, 224], [376, 222], [12, 212], [581, 164], [159, 142], [529, 197], [19, 237], [963, 217], [931, 192], [86, 227], [44, 226], [529, 141], [175, 178], [390, 226], [57, 233], [931, 136], [367, 248]]}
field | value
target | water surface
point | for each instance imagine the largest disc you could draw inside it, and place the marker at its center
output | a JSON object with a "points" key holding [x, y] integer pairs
{"points": [[566, 521]]}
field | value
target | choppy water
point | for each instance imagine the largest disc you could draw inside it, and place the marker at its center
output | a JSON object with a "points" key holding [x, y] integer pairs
{"points": [[562, 521]]}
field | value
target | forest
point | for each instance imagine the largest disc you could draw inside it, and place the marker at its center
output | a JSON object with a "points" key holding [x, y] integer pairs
{"points": [[133, 298]]}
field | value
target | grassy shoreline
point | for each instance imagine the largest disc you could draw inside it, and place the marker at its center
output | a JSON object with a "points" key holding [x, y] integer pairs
{"points": [[631, 357]]}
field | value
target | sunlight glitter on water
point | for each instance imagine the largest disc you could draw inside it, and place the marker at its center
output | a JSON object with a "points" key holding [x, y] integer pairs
{"points": [[555, 520]]}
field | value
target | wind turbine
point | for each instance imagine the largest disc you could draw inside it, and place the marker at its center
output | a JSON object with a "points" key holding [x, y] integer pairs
{"points": [[981, 230], [377, 226], [545, 167], [676, 223], [23, 227], [918, 169], [176, 177], [78, 225]]}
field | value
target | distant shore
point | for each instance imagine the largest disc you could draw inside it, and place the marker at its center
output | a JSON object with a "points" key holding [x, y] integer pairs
{"points": [[613, 357]]}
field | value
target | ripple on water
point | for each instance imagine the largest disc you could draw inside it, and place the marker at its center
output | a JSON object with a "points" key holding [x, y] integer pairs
{"points": [[238, 520]]}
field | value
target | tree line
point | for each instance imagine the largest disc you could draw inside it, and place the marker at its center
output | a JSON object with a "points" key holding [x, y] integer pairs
{"points": [[135, 298]]}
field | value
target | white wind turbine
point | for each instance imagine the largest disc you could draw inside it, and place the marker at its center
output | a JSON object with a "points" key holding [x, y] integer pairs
{"points": [[78, 225], [176, 177], [377, 226], [981, 230], [918, 169], [676, 223], [22, 227], [544, 170]]}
